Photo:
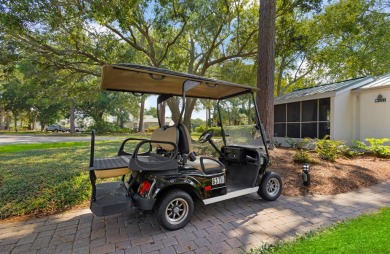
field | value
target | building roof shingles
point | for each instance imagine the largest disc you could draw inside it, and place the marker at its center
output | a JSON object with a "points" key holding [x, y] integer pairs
{"points": [[333, 87], [383, 80]]}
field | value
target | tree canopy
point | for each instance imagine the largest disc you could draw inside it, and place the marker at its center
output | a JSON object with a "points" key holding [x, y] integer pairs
{"points": [[53, 50]]}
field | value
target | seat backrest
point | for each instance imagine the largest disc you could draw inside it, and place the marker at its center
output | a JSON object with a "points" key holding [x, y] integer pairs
{"points": [[169, 134], [185, 143]]}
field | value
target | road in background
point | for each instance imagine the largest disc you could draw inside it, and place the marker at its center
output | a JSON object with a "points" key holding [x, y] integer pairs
{"points": [[30, 139]]}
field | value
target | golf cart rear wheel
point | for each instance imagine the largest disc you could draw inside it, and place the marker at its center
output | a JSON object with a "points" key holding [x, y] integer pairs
{"points": [[174, 209], [270, 187]]}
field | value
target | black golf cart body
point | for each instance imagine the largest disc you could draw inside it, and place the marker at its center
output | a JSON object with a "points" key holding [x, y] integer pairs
{"points": [[165, 175]]}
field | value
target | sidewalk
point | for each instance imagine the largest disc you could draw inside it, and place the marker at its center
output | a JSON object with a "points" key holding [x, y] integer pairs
{"points": [[231, 226]]}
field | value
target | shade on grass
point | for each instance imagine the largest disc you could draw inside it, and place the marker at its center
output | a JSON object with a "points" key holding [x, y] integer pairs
{"points": [[365, 234], [47, 178]]}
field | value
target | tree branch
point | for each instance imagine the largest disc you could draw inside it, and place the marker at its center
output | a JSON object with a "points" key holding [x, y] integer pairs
{"points": [[170, 44], [34, 42], [133, 43]]}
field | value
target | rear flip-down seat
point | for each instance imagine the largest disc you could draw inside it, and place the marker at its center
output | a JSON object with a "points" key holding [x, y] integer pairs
{"points": [[110, 197], [110, 167]]}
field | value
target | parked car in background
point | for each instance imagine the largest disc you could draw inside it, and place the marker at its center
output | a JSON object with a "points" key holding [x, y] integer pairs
{"points": [[78, 129], [56, 128]]}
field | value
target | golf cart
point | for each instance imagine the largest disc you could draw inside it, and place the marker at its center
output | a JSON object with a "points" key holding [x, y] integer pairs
{"points": [[164, 173]]}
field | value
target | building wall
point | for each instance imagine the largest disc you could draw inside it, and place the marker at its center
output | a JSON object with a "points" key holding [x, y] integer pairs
{"points": [[374, 117], [342, 119]]}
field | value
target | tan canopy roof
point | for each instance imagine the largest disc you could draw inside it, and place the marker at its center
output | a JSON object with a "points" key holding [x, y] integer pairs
{"points": [[142, 79]]}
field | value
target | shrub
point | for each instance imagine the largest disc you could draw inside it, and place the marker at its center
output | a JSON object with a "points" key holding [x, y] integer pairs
{"points": [[348, 152], [200, 129], [376, 147], [328, 149], [102, 127], [150, 129], [301, 153], [217, 131], [301, 156]]}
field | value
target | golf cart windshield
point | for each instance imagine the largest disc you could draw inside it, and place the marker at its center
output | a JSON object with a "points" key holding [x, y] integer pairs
{"points": [[243, 135], [239, 121]]}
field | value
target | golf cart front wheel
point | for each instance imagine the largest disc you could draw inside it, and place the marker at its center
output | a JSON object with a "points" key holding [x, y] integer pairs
{"points": [[174, 210], [270, 187]]}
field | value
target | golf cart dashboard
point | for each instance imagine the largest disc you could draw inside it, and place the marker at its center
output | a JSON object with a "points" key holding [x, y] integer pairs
{"points": [[241, 155]]}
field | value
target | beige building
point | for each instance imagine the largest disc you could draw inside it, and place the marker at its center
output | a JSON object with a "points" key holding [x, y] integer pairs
{"points": [[371, 104], [349, 110]]}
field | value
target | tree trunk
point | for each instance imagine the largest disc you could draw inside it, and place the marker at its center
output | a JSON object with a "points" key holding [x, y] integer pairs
{"points": [[35, 120], [2, 119], [162, 113], [71, 119], [15, 122], [141, 116], [7, 120], [266, 67], [174, 107], [43, 125], [190, 105]]}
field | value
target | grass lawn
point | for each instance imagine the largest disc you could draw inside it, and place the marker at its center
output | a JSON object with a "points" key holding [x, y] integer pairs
{"points": [[45, 178], [365, 234], [48, 177], [25, 147]]}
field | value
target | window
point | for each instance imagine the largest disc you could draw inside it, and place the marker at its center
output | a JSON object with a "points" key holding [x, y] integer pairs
{"points": [[280, 113], [293, 130], [324, 109], [293, 112], [309, 130], [303, 119], [280, 130], [324, 129], [309, 111]]}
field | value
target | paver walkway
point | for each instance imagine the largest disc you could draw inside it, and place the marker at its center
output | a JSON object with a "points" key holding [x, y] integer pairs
{"points": [[232, 226]]}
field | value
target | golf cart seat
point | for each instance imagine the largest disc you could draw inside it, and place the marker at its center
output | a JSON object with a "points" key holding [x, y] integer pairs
{"points": [[107, 167], [110, 167], [207, 165], [164, 157]]}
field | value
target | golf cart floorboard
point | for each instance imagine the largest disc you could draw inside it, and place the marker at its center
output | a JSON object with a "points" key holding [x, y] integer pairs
{"points": [[111, 198], [235, 186]]}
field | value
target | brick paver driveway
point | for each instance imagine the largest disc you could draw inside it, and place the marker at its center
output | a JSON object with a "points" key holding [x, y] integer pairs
{"points": [[232, 226]]}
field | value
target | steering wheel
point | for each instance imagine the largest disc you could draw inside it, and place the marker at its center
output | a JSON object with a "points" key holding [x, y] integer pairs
{"points": [[206, 136]]}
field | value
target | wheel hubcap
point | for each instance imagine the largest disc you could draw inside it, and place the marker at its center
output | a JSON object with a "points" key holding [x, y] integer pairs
{"points": [[273, 186], [177, 211]]}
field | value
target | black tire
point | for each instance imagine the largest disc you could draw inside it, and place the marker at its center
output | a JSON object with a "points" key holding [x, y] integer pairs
{"points": [[174, 199], [270, 187]]}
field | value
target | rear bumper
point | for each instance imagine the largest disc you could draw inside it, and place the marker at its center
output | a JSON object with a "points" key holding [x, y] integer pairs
{"points": [[143, 203]]}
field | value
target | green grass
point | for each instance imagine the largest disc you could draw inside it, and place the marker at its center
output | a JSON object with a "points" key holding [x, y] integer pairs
{"points": [[365, 234], [47, 178], [26, 147]]}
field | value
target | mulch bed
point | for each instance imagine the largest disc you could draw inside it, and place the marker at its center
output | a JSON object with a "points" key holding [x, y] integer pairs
{"points": [[328, 178]]}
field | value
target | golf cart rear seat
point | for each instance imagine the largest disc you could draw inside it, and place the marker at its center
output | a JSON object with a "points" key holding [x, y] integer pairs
{"points": [[110, 167], [207, 165], [112, 197], [164, 141]]}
